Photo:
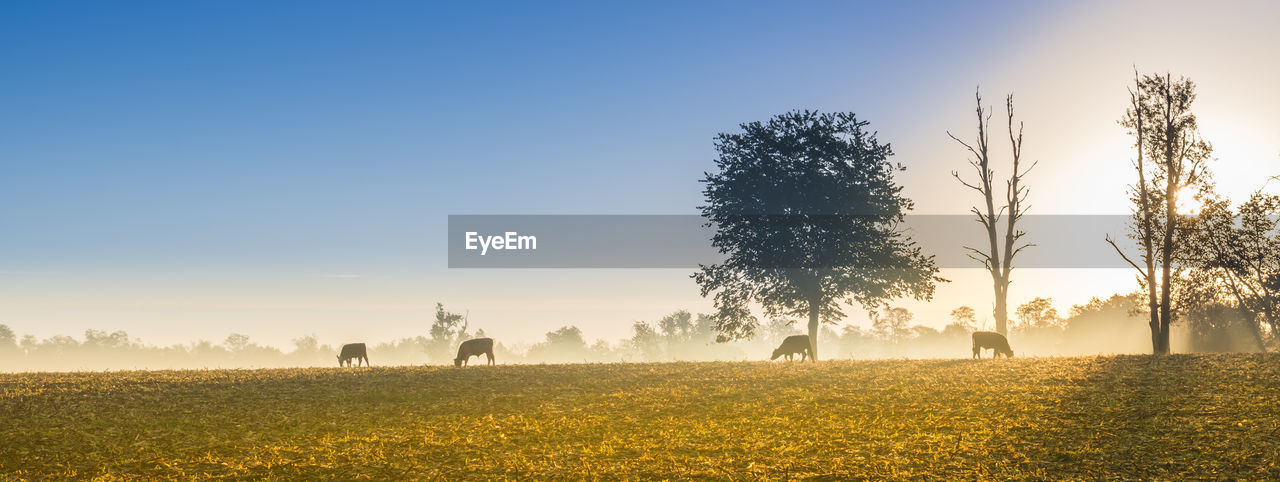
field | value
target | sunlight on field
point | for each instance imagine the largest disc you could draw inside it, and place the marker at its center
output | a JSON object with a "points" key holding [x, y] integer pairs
{"points": [[1131, 416]]}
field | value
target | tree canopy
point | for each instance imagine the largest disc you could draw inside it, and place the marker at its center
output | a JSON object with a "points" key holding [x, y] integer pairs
{"points": [[808, 214]]}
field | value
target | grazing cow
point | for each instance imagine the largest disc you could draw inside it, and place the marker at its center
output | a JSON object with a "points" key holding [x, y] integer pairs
{"points": [[353, 351], [791, 345], [474, 347], [992, 340]]}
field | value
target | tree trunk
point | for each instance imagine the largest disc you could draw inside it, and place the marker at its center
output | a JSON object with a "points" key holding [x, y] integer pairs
{"points": [[1002, 307], [1153, 307], [1254, 329], [813, 329], [1166, 311], [1257, 328], [1174, 173], [1155, 336]]}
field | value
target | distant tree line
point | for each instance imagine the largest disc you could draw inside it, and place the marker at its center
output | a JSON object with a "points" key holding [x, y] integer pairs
{"points": [[1101, 326]]}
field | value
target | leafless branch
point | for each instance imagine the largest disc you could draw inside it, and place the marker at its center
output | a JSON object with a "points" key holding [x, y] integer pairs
{"points": [[1113, 244]]}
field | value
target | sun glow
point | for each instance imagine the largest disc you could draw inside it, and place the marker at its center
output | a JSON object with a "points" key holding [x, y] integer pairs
{"points": [[1189, 204]]}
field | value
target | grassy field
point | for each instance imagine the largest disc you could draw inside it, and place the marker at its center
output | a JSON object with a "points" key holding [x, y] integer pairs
{"points": [[1128, 416]]}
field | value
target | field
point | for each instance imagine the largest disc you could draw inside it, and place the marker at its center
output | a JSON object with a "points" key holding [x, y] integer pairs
{"points": [[1128, 416]]}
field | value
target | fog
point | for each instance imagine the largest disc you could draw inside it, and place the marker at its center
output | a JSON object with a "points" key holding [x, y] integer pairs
{"points": [[1100, 327]]}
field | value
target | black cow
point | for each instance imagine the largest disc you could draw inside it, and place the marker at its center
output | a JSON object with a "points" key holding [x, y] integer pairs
{"points": [[791, 345], [992, 340], [354, 351], [474, 347]]}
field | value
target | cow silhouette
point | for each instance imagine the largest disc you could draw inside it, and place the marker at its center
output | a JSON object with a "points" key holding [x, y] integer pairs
{"points": [[353, 351], [990, 339], [791, 345], [474, 347]]}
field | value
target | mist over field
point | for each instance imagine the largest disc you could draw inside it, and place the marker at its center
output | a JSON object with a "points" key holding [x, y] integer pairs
{"points": [[1102, 327]]}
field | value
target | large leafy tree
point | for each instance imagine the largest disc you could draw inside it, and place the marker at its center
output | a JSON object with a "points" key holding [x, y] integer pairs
{"points": [[807, 212]]}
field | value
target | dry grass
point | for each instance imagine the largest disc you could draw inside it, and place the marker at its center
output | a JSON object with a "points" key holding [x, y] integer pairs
{"points": [[1130, 416]]}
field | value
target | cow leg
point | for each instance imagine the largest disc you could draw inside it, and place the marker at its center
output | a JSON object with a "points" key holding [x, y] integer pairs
{"points": [[489, 355]]}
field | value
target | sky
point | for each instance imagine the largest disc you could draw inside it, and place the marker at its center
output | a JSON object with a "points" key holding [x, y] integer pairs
{"points": [[184, 171]]}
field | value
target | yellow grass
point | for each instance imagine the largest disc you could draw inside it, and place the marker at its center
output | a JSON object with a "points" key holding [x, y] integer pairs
{"points": [[1130, 416]]}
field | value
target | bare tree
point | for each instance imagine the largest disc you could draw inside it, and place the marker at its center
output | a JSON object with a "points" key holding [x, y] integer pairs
{"points": [[1160, 119], [997, 259]]}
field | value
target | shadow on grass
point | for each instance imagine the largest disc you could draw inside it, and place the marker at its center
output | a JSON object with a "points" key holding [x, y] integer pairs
{"points": [[1162, 417]]}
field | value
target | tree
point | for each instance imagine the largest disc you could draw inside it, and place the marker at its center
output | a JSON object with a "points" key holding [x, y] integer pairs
{"points": [[1038, 313], [565, 344], [1098, 314], [568, 336], [645, 341], [1238, 252], [997, 259], [446, 332], [8, 339], [306, 346], [1164, 129], [778, 329], [893, 325], [101, 340], [677, 327], [956, 330], [854, 341], [925, 333], [237, 342], [965, 317], [808, 214]]}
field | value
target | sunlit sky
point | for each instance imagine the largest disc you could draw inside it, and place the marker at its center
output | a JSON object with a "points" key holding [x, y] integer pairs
{"points": [[185, 170]]}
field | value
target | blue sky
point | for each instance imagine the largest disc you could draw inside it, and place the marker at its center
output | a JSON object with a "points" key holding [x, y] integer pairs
{"points": [[162, 128], [196, 157]]}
